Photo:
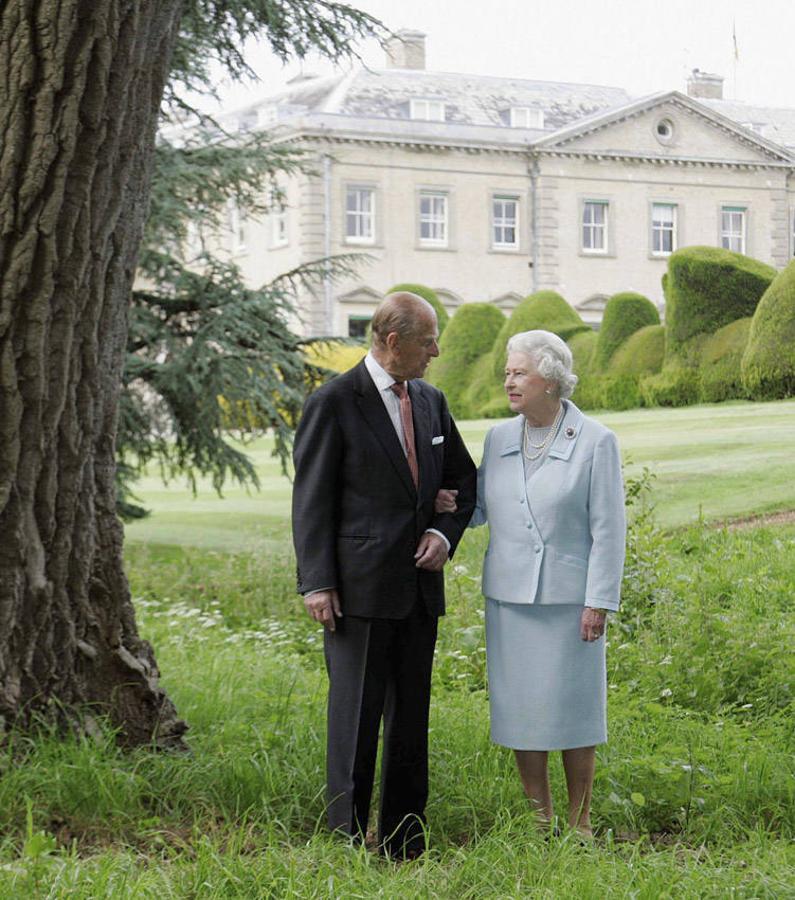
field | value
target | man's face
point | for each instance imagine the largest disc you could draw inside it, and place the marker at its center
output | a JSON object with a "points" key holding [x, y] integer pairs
{"points": [[413, 354]]}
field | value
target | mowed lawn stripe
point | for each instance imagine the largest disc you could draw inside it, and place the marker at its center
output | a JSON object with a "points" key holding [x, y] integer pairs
{"points": [[718, 461]]}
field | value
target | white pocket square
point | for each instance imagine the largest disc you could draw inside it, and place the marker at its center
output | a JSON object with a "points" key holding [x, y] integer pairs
{"points": [[437, 440]]}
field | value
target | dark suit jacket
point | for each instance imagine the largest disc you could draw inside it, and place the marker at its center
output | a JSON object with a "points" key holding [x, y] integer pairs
{"points": [[357, 517]]}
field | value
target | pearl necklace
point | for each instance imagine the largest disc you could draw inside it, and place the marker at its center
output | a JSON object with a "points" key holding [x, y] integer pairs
{"points": [[541, 448]]}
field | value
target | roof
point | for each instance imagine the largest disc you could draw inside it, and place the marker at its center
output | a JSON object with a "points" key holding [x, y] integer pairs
{"points": [[774, 123]]}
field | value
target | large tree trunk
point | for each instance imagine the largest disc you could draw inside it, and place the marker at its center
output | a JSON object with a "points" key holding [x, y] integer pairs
{"points": [[80, 87]]}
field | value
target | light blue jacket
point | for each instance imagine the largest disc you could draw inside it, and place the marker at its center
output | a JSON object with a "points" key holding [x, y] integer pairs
{"points": [[560, 537]]}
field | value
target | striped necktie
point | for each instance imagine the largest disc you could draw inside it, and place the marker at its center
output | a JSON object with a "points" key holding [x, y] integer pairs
{"points": [[400, 388]]}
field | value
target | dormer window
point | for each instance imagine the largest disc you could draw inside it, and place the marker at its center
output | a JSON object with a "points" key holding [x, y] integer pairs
{"points": [[525, 117], [428, 110]]}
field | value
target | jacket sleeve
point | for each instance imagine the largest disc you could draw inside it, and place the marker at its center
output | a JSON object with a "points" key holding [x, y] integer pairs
{"points": [[317, 456], [608, 526], [480, 515], [459, 474]]}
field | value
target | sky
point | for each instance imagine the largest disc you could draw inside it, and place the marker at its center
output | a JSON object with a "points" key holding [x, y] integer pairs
{"points": [[642, 46]]}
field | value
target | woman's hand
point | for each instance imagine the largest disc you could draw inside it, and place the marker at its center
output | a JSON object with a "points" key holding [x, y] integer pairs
{"points": [[445, 501], [592, 624]]}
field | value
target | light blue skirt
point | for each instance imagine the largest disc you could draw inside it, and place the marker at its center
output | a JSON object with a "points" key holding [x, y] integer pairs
{"points": [[547, 687]]}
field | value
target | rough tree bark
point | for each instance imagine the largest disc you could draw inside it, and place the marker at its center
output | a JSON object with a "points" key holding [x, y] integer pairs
{"points": [[80, 87]]}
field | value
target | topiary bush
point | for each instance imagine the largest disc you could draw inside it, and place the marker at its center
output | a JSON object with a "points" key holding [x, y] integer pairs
{"points": [[428, 294], [708, 287], [484, 396], [721, 360], [334, 355], [470, 334], [624, 314], [544, 309], [620, 392], [673, 386], [588, 392], [641, 354], [768, 363]]}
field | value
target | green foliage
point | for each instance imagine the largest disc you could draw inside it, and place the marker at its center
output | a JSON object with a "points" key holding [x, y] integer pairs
{"points": [[708, 287], [674, 386], [624, 314], [721, 358], [641, 354], [588, 392], [469, 335], [484, 392], [215, 32], [620, 391], [427, 294], [768, 364], [546, 310]]}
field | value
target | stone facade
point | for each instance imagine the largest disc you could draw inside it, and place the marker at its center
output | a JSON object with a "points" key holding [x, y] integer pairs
{"points": [[541, 157]]}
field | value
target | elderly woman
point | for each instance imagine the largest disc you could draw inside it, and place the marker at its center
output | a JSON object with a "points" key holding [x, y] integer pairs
{"points": [[550, 488]]}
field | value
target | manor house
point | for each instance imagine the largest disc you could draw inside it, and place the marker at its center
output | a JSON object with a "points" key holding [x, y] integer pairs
{"points": [[489, 188]]}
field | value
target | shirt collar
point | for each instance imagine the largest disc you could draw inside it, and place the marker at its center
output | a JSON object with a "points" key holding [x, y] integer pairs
{"points": [[381, 378]]}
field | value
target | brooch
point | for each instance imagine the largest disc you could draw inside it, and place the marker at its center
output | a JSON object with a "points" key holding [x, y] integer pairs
{"points": [[569, 432]]}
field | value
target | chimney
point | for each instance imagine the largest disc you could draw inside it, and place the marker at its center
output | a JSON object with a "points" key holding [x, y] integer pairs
{"points": [[705, 86], [406, 50]]}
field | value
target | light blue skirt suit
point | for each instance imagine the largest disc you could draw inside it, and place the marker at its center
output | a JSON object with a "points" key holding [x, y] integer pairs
{"points": [[556, 544]]}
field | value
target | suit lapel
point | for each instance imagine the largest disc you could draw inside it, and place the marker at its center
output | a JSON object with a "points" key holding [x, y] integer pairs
{"points": [[377, 418]]}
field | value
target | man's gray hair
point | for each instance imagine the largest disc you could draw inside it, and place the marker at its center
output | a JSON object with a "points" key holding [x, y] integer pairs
{"points": [[550, 355], [400, 312]]}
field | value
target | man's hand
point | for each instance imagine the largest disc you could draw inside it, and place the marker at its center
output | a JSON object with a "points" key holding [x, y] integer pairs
{"points": [[431, 552], [324, 607], [445, 501]]}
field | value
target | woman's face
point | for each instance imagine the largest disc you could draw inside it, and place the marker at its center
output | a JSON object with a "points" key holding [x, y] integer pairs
{"points": [[526, 389]]}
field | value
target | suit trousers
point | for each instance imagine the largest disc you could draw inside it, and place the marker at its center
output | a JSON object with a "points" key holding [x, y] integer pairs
{"points": [[380, 668]]}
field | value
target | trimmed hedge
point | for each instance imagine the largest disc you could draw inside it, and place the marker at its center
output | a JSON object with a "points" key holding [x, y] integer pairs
{"points": [[469, 335], [620, 392], [624, 314], [484, 396], [674, 386], [641, 354], [428, 294], [721, 360], [544, 309], [768, 364], [588, 392], [708, 287], [337, 357]]}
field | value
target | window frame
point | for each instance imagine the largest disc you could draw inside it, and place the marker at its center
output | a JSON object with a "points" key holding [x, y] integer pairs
{"points": [[725, 236], [427, 242], [236, 227], [504, 197], [416, 102], [513, 112], [653, 229], [605, 250], [360, 215]]}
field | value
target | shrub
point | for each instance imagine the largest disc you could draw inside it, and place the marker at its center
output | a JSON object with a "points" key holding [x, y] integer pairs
{"points": [[708, 287], [588, 393], [620, 392], [768, 364], [333, 355], [428, 294], [544, 309], [641, 354], [624, 314], [674, 386], [469, 335], [484, 397], [721, 359]]}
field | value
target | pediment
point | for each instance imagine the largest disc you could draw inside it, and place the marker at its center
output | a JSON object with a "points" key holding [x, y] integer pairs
{"points": [[509, 301], [668, 126], [362, 294]]}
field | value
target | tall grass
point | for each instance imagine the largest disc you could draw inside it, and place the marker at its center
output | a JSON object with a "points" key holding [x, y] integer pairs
{"points": [[693, 797]]}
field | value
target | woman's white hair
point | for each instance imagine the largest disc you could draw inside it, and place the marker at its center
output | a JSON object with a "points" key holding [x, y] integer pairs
{"points": [[550, 355]]}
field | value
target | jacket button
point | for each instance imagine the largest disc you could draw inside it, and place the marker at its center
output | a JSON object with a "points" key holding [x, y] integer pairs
{"points": [[521, 500], [537, 548]]}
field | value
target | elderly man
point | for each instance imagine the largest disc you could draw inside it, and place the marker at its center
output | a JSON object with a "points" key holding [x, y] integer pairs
{"points": [[373, 448]]}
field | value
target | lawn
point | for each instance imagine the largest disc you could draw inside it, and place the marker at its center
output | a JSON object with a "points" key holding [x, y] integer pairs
{"points": [[694, 794], [718, 461]]}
